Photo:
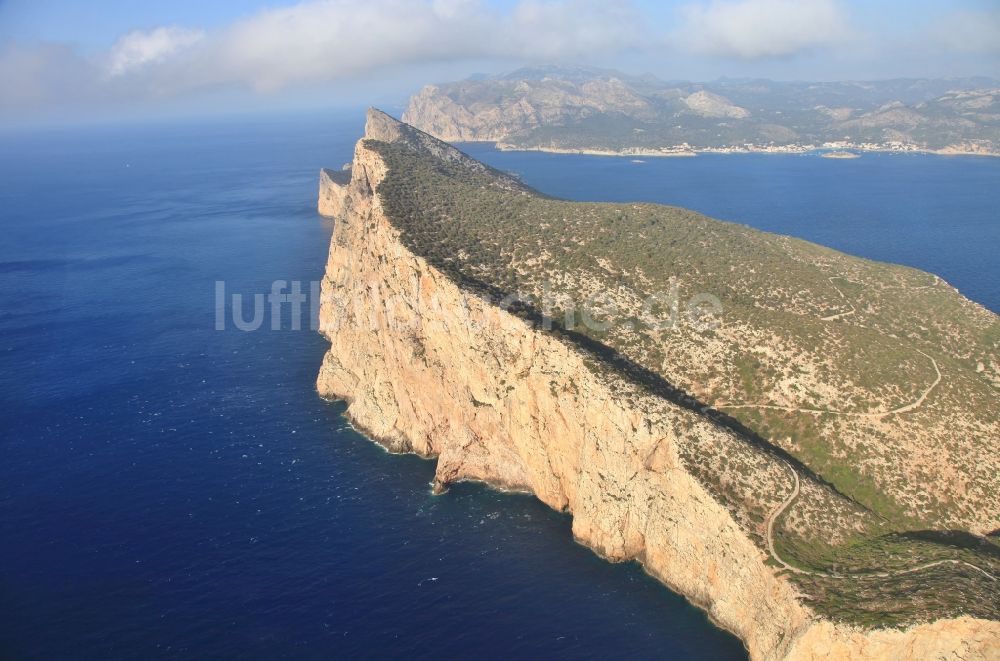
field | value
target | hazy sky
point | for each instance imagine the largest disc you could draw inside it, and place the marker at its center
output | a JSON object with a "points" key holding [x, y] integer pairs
{"points": [[62, 60]]}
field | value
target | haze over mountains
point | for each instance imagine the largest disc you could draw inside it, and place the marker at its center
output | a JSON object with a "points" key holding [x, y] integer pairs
{"points": [[583, 109]]}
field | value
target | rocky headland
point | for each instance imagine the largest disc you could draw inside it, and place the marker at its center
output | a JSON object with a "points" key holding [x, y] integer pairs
{"points": [[429, 363]]}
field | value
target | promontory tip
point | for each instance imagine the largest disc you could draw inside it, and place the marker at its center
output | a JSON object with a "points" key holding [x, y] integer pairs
{"points": [[382, 126]]}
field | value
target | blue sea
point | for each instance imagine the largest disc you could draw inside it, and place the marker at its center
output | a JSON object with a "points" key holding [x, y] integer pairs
{"points": [[173, 491]]}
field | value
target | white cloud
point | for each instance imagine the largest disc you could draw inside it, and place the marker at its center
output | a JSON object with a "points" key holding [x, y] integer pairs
{"points": [[753, 29], [970, 32], [309, 45], [138, 48], [566, 29], [319, 41], [329, 39]]}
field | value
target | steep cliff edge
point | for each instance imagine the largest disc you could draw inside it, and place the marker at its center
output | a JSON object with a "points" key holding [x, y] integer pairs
{"points": [[333, 192], [432, 367]]}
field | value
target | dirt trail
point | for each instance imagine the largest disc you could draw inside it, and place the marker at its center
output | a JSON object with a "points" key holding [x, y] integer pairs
{"points": [[785, 504], [832, 317], [906, 408], [877, 414]]}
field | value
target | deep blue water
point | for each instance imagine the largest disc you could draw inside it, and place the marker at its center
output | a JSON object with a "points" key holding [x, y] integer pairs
{"points": [[168, 490], [172, 491]]}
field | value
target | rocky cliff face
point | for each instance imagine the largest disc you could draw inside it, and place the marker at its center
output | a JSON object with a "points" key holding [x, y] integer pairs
{"points": [[520, 105], [332, 185], [428, 368]]}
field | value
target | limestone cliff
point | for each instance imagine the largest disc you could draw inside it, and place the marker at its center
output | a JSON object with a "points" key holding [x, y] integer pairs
{"points": [[331, 187], [430, 368]]}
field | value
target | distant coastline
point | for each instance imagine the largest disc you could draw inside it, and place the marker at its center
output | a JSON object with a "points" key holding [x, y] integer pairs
{"points": [[839, 152], [606, 113], [666, 152]]}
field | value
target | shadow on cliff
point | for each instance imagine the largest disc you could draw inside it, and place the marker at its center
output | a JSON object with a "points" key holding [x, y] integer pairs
{"points": [[956, 539], [627, 368]]}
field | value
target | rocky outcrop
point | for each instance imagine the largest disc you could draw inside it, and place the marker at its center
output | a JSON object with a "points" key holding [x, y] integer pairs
{"points": [[442, 117], [516, 106], [333, 192], [707, 104], [429, 368]]}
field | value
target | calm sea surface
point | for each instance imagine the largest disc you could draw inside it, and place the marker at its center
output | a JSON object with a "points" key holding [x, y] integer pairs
{"points": [[168, 490]]}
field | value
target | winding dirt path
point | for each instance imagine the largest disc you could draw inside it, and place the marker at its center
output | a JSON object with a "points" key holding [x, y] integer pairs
{"points": [[772, 517], [906, 408], [785, 504]]}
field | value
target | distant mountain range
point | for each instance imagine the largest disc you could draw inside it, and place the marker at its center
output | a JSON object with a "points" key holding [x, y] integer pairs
{"points": [[595, 110]]}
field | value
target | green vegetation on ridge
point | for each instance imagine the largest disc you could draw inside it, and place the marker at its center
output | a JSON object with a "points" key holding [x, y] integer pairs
{"points": [[873, 372]]}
